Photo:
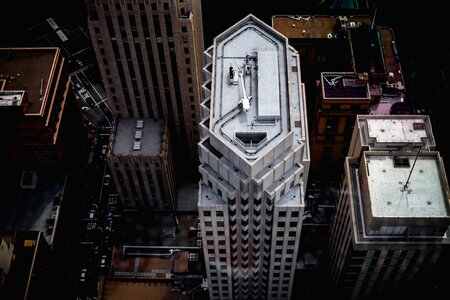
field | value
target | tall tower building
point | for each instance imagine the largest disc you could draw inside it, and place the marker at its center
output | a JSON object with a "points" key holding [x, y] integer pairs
{"points": [[150, 59], [254, 159], [393, 209]]}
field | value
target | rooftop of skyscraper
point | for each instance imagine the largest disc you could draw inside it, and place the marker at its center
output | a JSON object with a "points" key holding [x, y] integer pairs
{"points": [[255, 86], [393, 196], [137, 137], [30, 70]]}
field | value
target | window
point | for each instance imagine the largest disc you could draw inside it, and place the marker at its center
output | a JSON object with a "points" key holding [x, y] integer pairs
{"points": [[193, 257], [294, 214], [220, 224], [219, 213], [208, 224], [209, 233], [207, 213], [282, 214], [183, 29], [332, 124]]}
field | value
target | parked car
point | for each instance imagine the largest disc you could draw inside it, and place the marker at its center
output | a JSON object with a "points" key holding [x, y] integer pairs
{"points": [[83, 274], [103, 261], [107, 179]]}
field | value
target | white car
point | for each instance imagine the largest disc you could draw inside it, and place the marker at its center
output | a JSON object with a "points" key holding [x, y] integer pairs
{"points": [[83, 275], [107, 179], [103, 261], [85, 108]]}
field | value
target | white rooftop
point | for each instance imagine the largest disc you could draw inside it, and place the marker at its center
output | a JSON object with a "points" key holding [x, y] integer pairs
{"points": [[397, 130], [424, 195], [250, 100], [394, 131], [137, 137], [11, 98]]}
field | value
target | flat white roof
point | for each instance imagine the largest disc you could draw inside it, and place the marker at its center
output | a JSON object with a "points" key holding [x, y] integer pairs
{"points": [[423, 197], [268, 85], [397, 130]]}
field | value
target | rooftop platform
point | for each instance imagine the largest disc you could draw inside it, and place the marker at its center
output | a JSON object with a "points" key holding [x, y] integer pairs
{"points": [[32, 70], [314, 27], [250, 102], [388, 132], [343, 85], [123, 289], [424, 195], [137, 137]]}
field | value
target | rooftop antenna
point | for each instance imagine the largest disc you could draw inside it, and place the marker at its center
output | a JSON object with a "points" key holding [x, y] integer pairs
{"points": [[412, 168], [373, 18]]}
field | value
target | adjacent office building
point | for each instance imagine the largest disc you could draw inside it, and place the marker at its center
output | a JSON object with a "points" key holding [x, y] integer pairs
{"points": [[350, 66], [150, 59], [24, 266], [393, 209], [37, 108], [141, 164], [254, 158]]}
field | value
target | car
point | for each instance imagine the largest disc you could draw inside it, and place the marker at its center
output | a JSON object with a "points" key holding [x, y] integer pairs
{"points": [[104, 149], [85, 108], [83, 275], [107, 179], [91, 214], [103, 261], [90, 101], [77, 85]]}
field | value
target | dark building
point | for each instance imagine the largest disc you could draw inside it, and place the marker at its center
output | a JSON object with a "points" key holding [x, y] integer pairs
{"points": [[39, 118], [150, 59], [27, 255]]}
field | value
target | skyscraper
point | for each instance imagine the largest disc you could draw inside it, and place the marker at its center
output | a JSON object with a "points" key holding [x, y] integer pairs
{"points": [[393, 209], [150, 58], [254, 159]]}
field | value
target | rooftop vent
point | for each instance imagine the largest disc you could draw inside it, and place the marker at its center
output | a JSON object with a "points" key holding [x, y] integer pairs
{"points": [[140, 124], [401, 162], [138, 134], [137, 146]]}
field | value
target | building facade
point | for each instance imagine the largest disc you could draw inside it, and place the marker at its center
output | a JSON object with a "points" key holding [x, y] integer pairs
{"points": [[141, 164], [254, 159], [150, 59], [393, 209], [37, 107]]}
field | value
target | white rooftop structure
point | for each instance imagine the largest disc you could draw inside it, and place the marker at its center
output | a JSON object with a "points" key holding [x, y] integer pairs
{"points": [[253, 114], [391, 132], [422, 197], [11, 98]]}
